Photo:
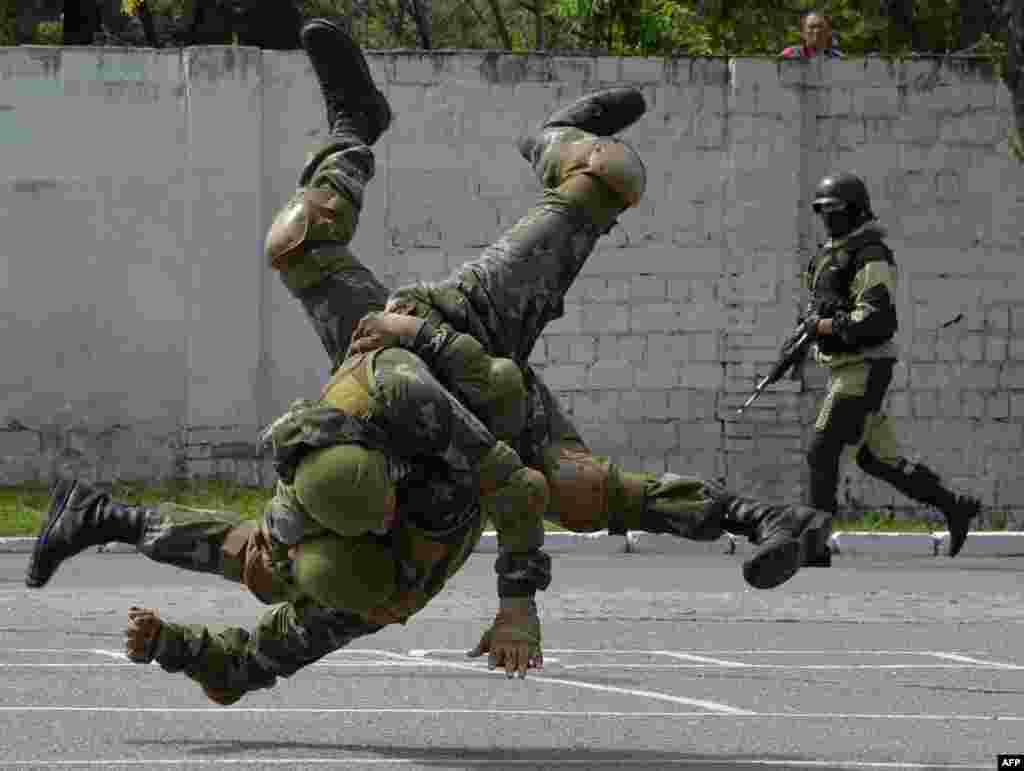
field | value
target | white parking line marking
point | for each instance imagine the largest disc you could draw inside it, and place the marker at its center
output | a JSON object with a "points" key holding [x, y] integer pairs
{"points": [[747, 652], [357, 658], [436, 664], [422, 652], [701, 659], [975, 662], [742, 715], [799, 667], [655, 695], [552, 762], [112, 654]]}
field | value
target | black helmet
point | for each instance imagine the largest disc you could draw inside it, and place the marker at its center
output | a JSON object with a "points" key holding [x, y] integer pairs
{"points": [[843, 189]]}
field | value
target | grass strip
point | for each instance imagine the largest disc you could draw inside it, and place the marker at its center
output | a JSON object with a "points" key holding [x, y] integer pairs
{"points": [[22, 507]]}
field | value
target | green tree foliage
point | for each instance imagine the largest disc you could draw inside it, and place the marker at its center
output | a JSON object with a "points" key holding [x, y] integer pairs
{"points": [[889, 28], [992, 29], [8, 22], [732, 28]]}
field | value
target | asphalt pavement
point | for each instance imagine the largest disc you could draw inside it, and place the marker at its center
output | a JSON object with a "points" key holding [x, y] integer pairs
{"points": [[664, 661]]}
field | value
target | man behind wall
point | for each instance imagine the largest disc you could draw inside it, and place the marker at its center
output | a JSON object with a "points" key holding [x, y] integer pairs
{"points": [[816, 34]]}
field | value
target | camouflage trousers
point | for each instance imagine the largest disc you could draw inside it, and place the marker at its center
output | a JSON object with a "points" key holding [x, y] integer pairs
{"points": [[504, 298], [291, 634]]}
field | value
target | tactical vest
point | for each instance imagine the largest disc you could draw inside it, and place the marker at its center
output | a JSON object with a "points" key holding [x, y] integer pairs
{"points": [[831, 282]]}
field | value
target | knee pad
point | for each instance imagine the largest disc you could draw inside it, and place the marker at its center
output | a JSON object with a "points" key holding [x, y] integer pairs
{"points": [[245, 555], [619, 166], [612, 161], [308, 209], [578, 483]]}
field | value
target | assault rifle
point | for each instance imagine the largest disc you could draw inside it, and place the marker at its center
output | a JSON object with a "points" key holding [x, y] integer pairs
{"points": [[793, 352]]}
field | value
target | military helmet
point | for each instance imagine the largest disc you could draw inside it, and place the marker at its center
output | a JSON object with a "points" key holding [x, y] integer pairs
{"points": [[841, 191]]}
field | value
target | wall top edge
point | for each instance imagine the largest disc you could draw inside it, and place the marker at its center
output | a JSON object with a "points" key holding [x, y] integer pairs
{"points": [[484, 52]]}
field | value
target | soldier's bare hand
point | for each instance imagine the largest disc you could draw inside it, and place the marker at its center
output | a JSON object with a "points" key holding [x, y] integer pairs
{"points": [[382, 329], [513, 642], [142, 634]]}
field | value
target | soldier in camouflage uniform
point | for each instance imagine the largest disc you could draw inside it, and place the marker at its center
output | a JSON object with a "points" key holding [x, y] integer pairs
{"points": [[384, 487], [504, 299], [852, 319]]}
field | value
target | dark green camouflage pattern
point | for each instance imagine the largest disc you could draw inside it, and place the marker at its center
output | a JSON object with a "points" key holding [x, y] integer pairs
{"points": [[420, 416], [507, 296], [309, 425], [334, 287], [287, 637], [298, 629], [345, 292], [191, 539]]}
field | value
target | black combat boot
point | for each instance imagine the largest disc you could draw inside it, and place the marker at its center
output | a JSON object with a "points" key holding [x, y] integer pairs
{"points": [[959, 510], [917, 481], [782, 533], [819, 553], [79, 517], [604, 113], [924, 485], [354, 104]]}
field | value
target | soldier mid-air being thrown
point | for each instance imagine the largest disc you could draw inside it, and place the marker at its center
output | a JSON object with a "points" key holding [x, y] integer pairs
{"points": [[334, 586]]}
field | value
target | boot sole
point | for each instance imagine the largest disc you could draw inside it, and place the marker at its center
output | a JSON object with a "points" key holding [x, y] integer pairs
{"points": [[597, 119], [337, 36], [333, 34], [62, 491], [768, 570]]}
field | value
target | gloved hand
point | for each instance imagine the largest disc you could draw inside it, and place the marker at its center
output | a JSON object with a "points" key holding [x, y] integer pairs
{"points": [[382, 329], [513, 641]]}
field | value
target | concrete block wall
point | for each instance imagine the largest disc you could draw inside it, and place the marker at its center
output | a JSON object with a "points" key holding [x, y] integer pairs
{"points": [[138, 186]]}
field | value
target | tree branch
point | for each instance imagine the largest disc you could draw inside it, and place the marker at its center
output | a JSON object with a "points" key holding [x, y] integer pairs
{"points": [[476, 12], [422, 27], [499, 22]]}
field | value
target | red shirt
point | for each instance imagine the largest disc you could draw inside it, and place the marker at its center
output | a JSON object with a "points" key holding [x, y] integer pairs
{"points": [[803, 52]]}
